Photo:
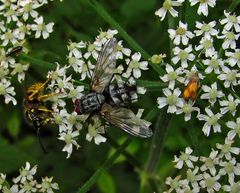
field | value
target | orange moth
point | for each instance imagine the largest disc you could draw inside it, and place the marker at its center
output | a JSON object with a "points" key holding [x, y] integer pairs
{"points": [[190, 91]]}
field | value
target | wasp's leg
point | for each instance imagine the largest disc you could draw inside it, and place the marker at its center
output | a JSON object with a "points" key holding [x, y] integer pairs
{"points": [[39, 89], [46, 96]]}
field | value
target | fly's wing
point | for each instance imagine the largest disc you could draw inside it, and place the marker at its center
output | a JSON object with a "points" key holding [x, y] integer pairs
{"points": [[106, 64], [126, 120]]}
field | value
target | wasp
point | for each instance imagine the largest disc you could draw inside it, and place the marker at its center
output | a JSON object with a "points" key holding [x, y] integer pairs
{"points": [[35, 110], [190, 91], [107, 99]]}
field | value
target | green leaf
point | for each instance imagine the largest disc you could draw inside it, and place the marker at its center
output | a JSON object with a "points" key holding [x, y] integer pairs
{"points": [[106, 183], [11, 157], [13, 124], [133, 8]]}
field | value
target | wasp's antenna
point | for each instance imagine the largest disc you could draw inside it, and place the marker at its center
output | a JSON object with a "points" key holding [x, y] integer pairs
{"points": [[40, 141]]}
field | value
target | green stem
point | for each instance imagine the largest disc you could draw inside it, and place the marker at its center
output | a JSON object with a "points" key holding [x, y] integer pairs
{"points": [[151, 84], [161, 128], [106, 165], [37, 62], [108, 18]]}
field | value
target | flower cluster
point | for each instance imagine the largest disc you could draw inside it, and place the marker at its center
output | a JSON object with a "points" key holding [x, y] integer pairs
{"points": [[19, 20], [72, 82], [216, 60], [26, 182]]}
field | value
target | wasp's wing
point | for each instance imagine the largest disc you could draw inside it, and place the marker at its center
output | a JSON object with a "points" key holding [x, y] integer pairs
{"points": [[106, 64], [126, 120]]}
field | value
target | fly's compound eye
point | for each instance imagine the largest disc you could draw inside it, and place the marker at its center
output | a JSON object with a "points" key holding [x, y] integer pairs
{"points": [[77, 105]]}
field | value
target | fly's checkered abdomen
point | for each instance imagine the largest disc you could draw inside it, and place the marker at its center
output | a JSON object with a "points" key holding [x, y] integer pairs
{"points": [[92, 102]]}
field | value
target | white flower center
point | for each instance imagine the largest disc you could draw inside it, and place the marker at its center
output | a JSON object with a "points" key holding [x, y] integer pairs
{"points": [[190, 176], [68, 138], [72, 119], [2, 89], [8, 35], [167, 4], [237, 55], [231, 76], [226, 148], [19, 68], [232, 106], [213, 120], [209, 182], [213, 94], [172, 100], [92, 131], [91, 47], [183, 55], [214, 63], [134, 64], [230, 36], [187, 109], [27, 187], [28, 8], [103, 34], [184, 156], [72, 45], [174, 183], [58, 119], [209, 162], [172, 76], [229, 167], [46, 185], [232, 18], [41, 27], [180, 31], [236, 188], [206, 27], [207, 44], [72, 60], [237, 128], [73, 93]]}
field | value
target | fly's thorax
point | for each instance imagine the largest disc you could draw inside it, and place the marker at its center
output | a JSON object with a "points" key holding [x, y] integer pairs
{"points": [[120, 93], [92, 102]]}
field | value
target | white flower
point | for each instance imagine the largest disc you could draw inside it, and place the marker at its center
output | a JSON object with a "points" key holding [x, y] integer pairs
{"points": [[229, 77], [187, 108], [172, 75], [41, 28], [203, 5], [231, 168], [174, 184], [167, 6], [28, 187], [86, 70], [9, 36], [193, 177], [233, 187], [206, 45], [93, 50], [227, 149], [135, 66], [47, 185], [233, 57], [7, 91], [95, 131], [213, 64], [211, 121], [229, 105], [104, 36], [210, 183], [19, 69], [180, 34], [69, 136], [206, 29], [229, 39], [210, 162], [235, 128], [186, 158], [2, 180], [120, 51], [172, 100], [26, 173], [231, 21], [76, 93], [183, 55], [75, 62], [75, 49], [211, 93], [28, 9], [11, 13]]}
